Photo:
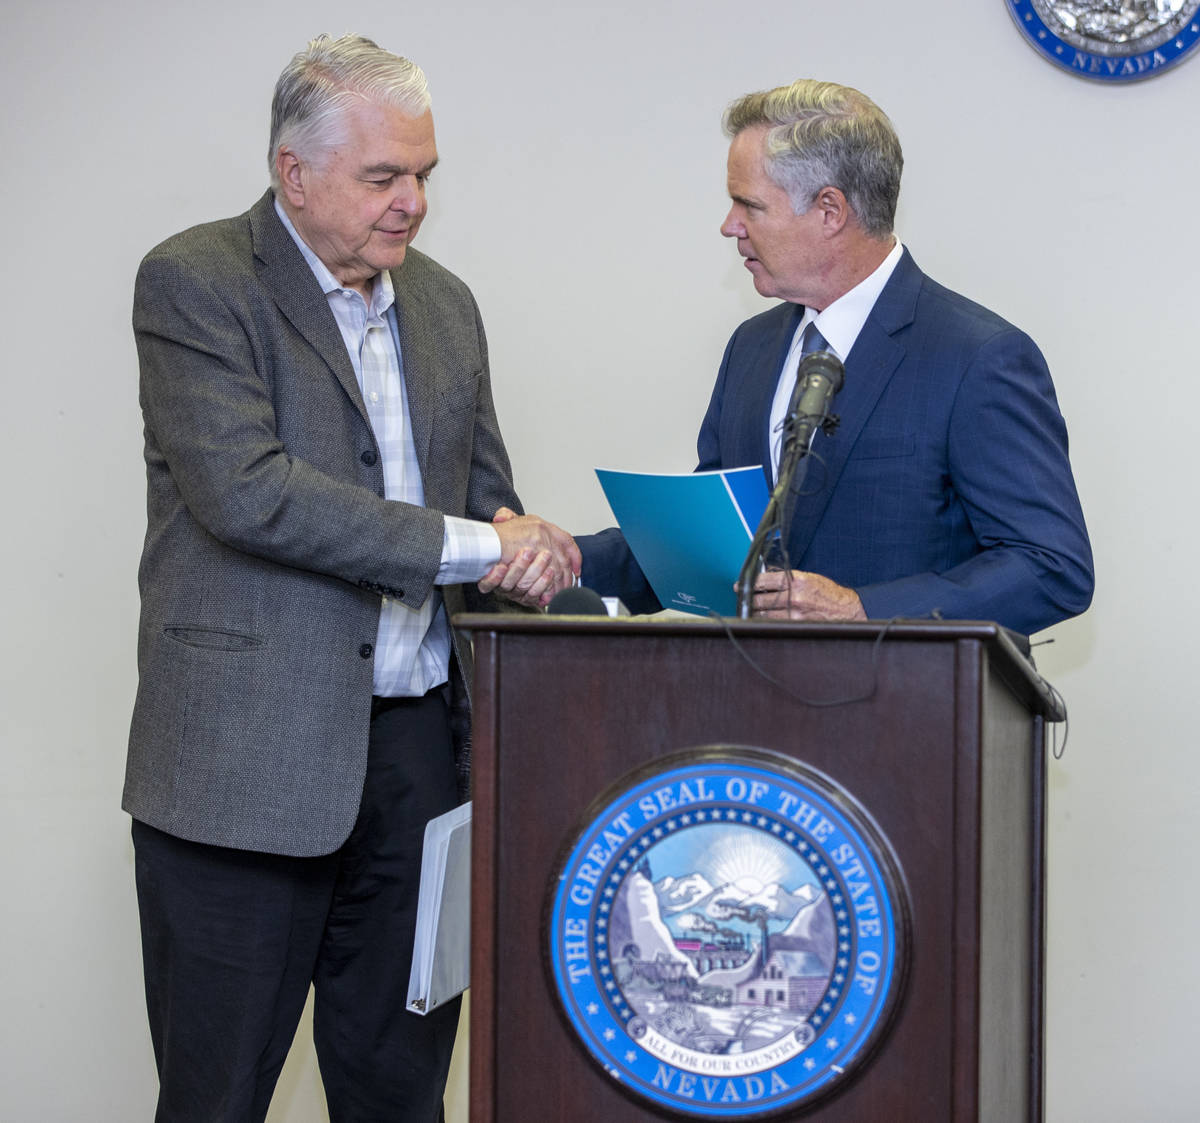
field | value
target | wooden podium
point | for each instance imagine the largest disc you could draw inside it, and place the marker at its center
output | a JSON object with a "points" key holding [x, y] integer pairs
{"points": [[939, 735]]}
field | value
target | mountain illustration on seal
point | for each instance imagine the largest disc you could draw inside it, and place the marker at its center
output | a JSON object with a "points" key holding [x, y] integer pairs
{"points": [[725, 968]]}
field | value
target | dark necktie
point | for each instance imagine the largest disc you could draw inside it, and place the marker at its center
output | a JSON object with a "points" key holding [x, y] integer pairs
{"points": [[812, 340]]}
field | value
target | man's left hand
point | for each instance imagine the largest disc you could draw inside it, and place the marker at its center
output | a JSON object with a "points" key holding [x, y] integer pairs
{"points": [[804, 596]]}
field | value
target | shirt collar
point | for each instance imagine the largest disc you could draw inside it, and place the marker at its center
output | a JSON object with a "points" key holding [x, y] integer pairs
{"points": [[383, 293], [842, 320]]}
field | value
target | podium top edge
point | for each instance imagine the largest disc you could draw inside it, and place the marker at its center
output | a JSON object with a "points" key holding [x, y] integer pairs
{"points": [[1006, 654], [663, 623]]}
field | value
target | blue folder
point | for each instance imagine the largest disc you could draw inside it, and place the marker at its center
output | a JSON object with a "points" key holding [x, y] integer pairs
{"points": [[689, 533]]}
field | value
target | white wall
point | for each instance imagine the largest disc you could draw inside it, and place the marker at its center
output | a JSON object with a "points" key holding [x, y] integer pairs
{"points": [[581, 186]]}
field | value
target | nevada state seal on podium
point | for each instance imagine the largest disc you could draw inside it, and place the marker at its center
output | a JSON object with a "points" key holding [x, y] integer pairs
{"points": [[728, 934], [735, 870]]}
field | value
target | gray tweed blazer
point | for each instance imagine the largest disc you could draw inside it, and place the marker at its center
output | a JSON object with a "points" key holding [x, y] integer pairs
{"points": [[268, 543]]}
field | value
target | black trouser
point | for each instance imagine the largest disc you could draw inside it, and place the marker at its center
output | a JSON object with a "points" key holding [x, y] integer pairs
{"points": [[231, 940]]}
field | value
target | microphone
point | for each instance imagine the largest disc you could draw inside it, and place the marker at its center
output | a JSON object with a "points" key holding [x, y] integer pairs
{"points": [[577, 601], [819, 378]]}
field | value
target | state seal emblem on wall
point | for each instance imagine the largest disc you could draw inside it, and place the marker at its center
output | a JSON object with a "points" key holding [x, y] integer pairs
{"points": [[1110, 40], [728, 934]]}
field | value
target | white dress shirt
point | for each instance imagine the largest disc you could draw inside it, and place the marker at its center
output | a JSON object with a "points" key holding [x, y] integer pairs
{"points": [[840, 324]]}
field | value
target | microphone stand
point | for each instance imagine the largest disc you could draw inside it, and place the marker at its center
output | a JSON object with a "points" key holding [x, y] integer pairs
{"points": [[798, 433]]}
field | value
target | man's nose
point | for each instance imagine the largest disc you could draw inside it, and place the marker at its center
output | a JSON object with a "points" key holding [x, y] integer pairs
{"points": [[409, 196]]}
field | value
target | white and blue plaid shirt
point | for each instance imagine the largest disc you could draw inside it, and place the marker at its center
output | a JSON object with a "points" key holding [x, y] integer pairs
{"points": [[412, 647]]}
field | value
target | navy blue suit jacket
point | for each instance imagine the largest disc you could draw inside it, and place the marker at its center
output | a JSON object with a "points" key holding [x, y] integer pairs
{"points": [[945, 491]]}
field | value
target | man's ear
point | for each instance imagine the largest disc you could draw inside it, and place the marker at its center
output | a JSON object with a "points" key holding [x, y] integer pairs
{"points": [[834, 208], [291, 176]]}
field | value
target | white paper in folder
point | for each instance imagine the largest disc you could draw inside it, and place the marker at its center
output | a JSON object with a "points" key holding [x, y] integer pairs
{"points": [[441, 967]]}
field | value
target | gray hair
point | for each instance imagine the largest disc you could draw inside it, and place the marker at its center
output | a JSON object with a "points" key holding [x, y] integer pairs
{"points": [[826, 135], [327, 77]]}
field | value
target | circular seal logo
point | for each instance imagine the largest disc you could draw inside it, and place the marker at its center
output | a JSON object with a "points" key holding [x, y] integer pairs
{"points": [[728, 934], [1110, 40]]}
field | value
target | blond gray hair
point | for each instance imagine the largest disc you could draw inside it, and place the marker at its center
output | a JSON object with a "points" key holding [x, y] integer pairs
{"points": [[820, 135]]}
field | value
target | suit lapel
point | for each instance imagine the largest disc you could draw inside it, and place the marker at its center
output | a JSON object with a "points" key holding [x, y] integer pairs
{"points": [[748, 383], [290, 281], [418, 352], [766, 380], [869, 367]]}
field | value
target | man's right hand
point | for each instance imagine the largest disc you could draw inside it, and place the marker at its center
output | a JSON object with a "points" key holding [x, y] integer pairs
{"points": [[537, 560]]}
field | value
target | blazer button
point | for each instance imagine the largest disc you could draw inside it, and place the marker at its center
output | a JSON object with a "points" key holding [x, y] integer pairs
{"points": [[369, 458], [366, 651]]}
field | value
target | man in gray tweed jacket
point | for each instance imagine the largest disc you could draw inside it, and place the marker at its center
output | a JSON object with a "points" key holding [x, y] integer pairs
{"points": [[324, 465]]}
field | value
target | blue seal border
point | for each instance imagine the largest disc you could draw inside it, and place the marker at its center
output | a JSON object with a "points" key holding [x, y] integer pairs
{"points": [[1114, 68], [746, 785]]}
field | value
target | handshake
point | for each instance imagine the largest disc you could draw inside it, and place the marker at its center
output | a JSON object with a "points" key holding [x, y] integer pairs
{"points": [[537, 560]]}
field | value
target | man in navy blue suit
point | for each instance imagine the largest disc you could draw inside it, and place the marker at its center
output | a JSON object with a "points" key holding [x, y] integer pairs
{"points": [[946, 491]]}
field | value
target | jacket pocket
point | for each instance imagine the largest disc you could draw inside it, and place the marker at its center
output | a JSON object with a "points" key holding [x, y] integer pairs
{"points": [[462, 395], [215, 639]]}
